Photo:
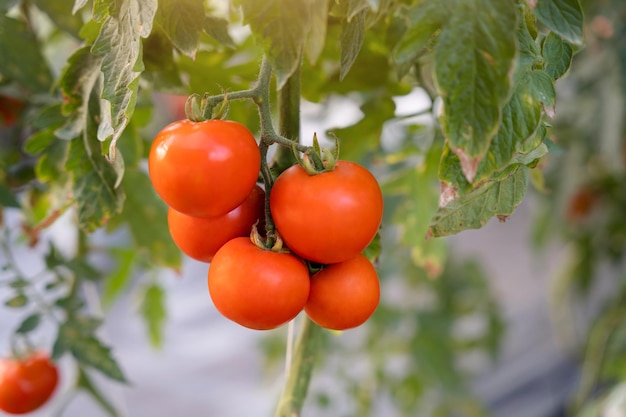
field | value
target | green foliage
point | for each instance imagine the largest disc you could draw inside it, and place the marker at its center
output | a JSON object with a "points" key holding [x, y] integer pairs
{"points": [[563, 17], [154, 313]]}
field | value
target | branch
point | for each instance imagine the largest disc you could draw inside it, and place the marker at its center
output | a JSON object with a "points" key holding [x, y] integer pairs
{"points": [[297, 385]]}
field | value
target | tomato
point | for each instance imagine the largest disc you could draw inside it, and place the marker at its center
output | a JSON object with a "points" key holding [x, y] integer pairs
{"points": [[10, 109], [27, 383], [257, 288], [204, 169], [344, 295], [328, 217], [581, 203], [201, 237]]}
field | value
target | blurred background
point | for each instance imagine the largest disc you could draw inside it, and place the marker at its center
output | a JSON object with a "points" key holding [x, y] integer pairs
{"points": [[523, 318]]}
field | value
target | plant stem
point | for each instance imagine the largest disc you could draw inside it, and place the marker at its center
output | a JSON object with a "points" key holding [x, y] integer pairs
{"points": [[297, 384], [288, 121]]}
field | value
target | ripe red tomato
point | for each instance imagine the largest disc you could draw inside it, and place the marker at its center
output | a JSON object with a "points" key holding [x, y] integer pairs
{"points": [[328, 217], [201, 237], [204, 169], [257, 288], [10, 109], [344, 295], [27, 383], [581, 203]]}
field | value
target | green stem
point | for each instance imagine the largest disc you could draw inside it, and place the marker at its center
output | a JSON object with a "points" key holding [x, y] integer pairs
{"points": [[297, 385], [301, 369], [288, 121], [268, 180]]}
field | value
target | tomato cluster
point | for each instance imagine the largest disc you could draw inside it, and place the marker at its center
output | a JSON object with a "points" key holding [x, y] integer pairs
{"points": [[26, 383], [207, 171]]}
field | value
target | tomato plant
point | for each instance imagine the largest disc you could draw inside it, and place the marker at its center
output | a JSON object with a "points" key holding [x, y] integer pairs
{"points": [[327, 217], [257, 288], [27, 383], [201, 237], [204, 169], [451, 103], [344, 295]]}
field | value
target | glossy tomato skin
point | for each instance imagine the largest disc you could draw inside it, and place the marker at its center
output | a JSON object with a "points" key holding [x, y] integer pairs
{"points": [[328, 217], [26, 384], [257, 288], [201, 237], [204, 169], [344, 295]]}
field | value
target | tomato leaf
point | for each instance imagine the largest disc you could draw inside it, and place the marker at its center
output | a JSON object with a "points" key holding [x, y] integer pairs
{"points": [[119, 46], [521, 118], [119, 279], [422, 21], [21, 59], [76, 335], [79, 4], [217, 28], [7, 4], [146, 216], [84, 382], [17, 301], [183, 22], [417, 188], [564, 17], [282, 26], [7, 198], [29, 324], [351, 41], [60, 12], [95, 188], [317, 35], [473, 60], [153, 312], [77, 81], [497, 197], [557, 56]]}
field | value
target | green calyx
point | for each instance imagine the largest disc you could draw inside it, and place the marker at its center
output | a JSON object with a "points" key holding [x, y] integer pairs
{"points": [[200, 108], [316, 160]]}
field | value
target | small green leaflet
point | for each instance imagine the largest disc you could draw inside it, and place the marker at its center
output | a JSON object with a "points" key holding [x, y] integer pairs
{"points": [[19, 45], [422, 22], [119, 46], [119, 279], [411, 216], [182, 21], [497, 197], [317, 35], [60, 12], [564, 17], [77, 336], [146, 215], [557, 56], [84, 382], [154, 313], [17, 301], [351, 42], [7, 198], [283, 26], [78, 80], [95, 181], [217, 28], [473, 60], [29, 324]]}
